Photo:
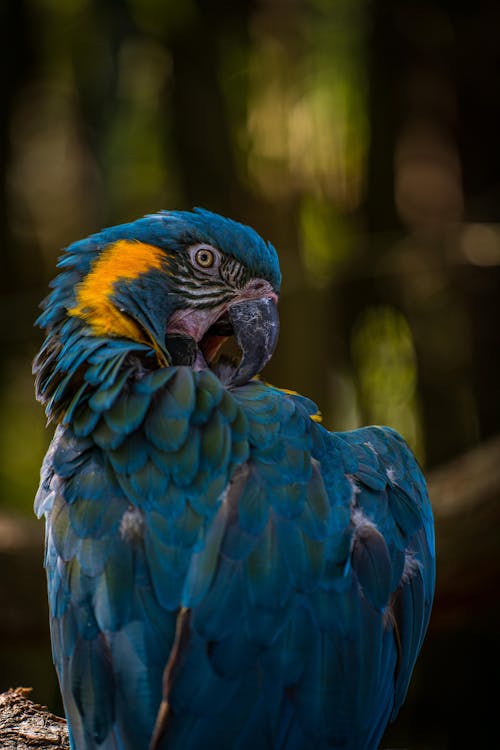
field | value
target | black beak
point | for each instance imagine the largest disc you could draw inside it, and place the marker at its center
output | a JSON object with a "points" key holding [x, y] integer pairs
{"points": [[256, 327]]}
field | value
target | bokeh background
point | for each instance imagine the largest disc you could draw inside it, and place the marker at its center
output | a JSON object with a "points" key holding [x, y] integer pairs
{"points": [[362, 139]]}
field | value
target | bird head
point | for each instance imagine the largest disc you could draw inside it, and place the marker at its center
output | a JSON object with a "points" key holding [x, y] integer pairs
{"points": [[167, 289]]}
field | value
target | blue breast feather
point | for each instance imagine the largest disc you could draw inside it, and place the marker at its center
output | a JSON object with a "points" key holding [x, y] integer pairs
{"points": [[304, 558]]}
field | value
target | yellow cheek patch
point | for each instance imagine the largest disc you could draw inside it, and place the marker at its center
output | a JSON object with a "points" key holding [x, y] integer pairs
{"points": [[124, 260]]}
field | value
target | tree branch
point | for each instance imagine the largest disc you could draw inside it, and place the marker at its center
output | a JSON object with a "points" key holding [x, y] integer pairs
{"points": [[26, 726]]}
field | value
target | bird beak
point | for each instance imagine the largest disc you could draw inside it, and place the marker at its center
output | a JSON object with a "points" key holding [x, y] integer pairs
{"points": [[256, 327]]}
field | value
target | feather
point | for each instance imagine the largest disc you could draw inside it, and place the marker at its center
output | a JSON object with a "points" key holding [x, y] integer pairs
{"points": [[111, 598], [185, 463], [105, 437], [154, 381], [127, 412], [213, 617], [204, 561], [92, 686], [253, 504], [167, 424], [215, 443], [130, 456], [372, 564], [267, 578], [104, 398], [208, 396], [84, 421]]}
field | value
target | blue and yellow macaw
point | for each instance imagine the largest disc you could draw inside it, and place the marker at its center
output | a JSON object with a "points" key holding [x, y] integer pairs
{"points": [[223, 572]]}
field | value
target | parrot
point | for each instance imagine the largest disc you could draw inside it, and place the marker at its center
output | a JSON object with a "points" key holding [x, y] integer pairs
{"points": [[223, 571]]}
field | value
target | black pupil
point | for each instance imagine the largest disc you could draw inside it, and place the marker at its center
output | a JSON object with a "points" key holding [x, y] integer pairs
{"points": [[204, 256]]}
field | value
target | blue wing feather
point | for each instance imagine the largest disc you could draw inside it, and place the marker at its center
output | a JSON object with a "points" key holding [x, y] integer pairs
{"points": [[305, 558]]}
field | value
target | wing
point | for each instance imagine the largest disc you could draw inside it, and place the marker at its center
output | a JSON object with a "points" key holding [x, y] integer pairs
{"points": [[132, 492], [308, 632], [277, 575], [391, 493]]}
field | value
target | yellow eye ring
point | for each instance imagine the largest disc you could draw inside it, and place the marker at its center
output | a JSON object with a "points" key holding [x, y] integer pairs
{"points": [[204, 257]]}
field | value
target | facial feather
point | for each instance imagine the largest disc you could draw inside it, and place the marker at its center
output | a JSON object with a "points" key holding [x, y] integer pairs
{"points": [[124, 260]]}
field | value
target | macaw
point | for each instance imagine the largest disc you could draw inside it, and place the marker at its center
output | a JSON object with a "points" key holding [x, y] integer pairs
{"points": [[223, 572]]}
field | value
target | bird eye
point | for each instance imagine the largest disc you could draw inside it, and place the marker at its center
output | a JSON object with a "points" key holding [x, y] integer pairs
{"points": [[204, 256]]}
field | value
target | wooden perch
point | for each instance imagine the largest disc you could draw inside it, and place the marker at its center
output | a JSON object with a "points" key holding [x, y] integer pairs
{"points": [[26, 726]]}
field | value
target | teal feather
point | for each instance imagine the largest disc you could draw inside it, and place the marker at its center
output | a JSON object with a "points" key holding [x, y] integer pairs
{"points": [[233, 656], [127, 412], [208, 396], [168, 565], [240, 427], [167, 424], [105, 437], [112, 602], [63, 538], [92, 555], [130, 455], [176, 505], [104, 398], [84, 421], [268, 580], [372, 564], [288, 498], [92, 681], [136, 683], [104, 369], [215, 443], [147, 484], [180, 530], [238, 543], [228, 407], [154, 381], [166, 432], [67, 455], [240, 450], [204, 560], [185, 463], [226, 594], [93, 480], [206, 491], [88, 517], [253, 505], [73, 404]]}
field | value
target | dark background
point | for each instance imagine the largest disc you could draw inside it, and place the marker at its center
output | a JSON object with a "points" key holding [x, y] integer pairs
{"points": [[362, 139]]}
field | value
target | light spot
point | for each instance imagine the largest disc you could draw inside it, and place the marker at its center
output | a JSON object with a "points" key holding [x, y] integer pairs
{"points": [[355, 489], [389, 618], [361, 522], [410, 567], [124, 260], [370, 446], [481, 245], [391, 475], [132, 525]]}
